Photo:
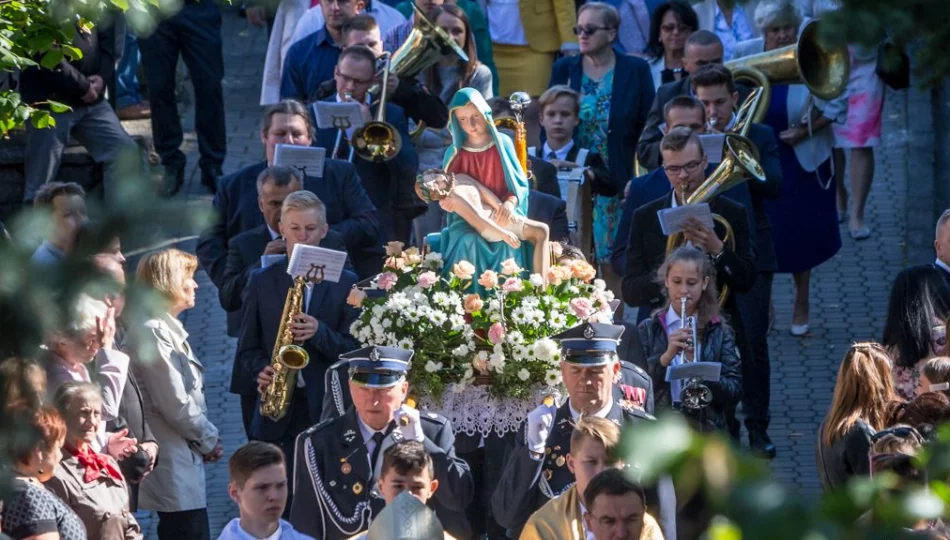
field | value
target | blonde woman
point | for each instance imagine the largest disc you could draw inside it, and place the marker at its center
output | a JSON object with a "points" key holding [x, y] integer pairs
{"points": [[863, 398], [172, 384]]}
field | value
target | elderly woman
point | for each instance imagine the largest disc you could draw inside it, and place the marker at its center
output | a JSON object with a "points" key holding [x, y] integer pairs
{"points": [[610, 127], [670, 25], [90, 482], [30, 510], [172, 385], [803, 240]]}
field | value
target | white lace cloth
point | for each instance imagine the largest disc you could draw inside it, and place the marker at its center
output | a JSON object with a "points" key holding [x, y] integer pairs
{"points": [[473, 410]]}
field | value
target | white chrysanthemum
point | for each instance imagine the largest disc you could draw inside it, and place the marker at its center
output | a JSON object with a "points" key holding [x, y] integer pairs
{"points": [[457, 321], [411, 314], [549, 300], [438, 318], [497, 362], [573, 290], [439, 298], [545, 349], [514, 337], [601, 316], [498, 349], [523, 374], [609, 295], [531, 302], [536, 280], [552, 377], [537, 317], [600, 285], [468, 332], [433, 260], [405, 343], [494, 305], [400, 323], [386, 323], [558, 320], [355, 328], [433, 367], [518, 315], [378, 311], [495, 317], [461, 350], [519, 352]]}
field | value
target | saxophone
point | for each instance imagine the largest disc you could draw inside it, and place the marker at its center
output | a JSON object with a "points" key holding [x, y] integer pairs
{"points": [[287, 358]]}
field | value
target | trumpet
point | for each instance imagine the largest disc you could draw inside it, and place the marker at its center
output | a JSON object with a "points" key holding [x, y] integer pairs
{"points": [[695, 394]]}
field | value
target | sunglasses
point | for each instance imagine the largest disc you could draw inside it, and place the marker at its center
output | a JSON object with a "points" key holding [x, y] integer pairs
{"points": [[586, 31], [901, 432]]}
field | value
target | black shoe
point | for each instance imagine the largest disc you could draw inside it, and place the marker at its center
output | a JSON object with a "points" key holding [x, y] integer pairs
{"points": [[209, 179], [174, 178], [761, 445]]}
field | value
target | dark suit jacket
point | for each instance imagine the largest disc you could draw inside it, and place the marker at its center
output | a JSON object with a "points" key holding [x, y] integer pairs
{"points": [[646, 250], [632, 96], [244, 256], [263, 306], [648, 149], [551, 211], [545, 176], [320, 451], [654, 185], [349, 212], [389, 184]]}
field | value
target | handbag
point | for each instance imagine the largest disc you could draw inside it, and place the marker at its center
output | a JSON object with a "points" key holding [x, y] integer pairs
{"points": [[893, 65]]}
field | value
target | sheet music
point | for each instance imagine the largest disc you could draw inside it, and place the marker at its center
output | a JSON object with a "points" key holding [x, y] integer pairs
{"points": [[309, 159], [671, 219], [331, 114], [707, 371], [306, 258], [712, 145]]}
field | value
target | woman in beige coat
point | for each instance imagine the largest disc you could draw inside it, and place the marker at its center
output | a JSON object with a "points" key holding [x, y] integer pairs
{"points": [[172, 384], [90, 483]]}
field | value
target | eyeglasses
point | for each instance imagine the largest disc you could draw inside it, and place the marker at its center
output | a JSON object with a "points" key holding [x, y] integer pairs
{"points": [[347, 79], [675, 170], [670, 28], [586, 31]]}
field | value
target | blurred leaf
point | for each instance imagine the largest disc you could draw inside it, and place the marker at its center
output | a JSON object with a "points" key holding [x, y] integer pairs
{"points": [[58, 107], [121, 4], [51, 58], [653, 447]]}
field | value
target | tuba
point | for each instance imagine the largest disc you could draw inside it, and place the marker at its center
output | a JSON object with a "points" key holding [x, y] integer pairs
{"points": [[378, 141], [426, 45], [287, 358], [824, 70]]}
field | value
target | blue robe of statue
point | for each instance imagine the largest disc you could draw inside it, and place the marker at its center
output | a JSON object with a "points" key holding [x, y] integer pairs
{"points": [[458, 241]]}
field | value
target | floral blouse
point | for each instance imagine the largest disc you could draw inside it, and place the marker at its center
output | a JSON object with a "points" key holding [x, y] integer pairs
{"points": [[906, 380]]}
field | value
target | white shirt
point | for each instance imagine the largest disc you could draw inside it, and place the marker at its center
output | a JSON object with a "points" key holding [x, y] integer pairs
{"points": [[275, 536], [504, 23], [674, 323], [940, 264], [602, 413], [387, 17], [558, 154]]}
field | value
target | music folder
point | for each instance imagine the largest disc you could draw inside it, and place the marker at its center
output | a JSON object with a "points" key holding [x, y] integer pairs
{"points": [[671, 219], [305, 259], [308, 159], [707, 371]]}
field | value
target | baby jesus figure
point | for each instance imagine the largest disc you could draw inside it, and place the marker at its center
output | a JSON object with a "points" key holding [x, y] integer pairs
{"points": [[478, 206]]}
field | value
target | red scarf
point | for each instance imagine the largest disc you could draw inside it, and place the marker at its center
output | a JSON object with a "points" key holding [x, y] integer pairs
{"points": [[94, 463]]}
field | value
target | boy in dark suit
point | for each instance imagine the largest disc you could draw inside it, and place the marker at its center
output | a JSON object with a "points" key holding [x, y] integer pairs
{"points": [[322, 328]]}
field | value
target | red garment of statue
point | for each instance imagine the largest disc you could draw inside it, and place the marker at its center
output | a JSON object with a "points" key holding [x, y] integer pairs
{"points": [[484, 166]]}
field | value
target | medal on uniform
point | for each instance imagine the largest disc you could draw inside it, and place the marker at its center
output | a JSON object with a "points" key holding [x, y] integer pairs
{"points": [[547, 474], [559, 461], [345, 467], [357, 488]]}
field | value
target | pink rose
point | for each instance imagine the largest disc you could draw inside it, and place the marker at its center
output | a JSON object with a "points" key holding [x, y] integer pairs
{"points": [[386, 280], [463, 270], [395, 262], [488, 279], [472, 303], [510, 268], [356, 297], [512, 285], [558, 274], [394, 248], [428, 279], [496, 334], [582, 307], [583, 270]]}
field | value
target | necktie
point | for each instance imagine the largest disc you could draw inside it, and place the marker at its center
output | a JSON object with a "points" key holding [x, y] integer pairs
{"points": [[552, 155], [378, 439]]}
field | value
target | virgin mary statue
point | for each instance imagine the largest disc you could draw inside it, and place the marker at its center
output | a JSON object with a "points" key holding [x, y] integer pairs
{"points": [[480, 151]]}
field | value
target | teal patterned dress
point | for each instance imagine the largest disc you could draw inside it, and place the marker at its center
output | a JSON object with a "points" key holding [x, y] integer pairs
{"points": [[592, 134]]}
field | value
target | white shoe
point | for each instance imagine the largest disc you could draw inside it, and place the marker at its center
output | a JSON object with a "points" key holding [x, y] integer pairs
{"points": [[799, 329]]}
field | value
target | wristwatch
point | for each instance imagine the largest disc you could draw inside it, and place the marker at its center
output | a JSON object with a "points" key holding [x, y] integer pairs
{"points": [[715, 258]]}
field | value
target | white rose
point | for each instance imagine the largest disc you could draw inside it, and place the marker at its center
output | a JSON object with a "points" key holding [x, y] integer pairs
{"points": [[537, 281], [600, 285], [432, 367], [523, 374], [609, 295], [461, 350]]}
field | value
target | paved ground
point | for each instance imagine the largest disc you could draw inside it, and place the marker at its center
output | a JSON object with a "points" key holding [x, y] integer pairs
{"points": [[849, 293]]}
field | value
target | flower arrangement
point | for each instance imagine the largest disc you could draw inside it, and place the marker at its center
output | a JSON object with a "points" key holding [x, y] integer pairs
{"points": [[460, 337]]}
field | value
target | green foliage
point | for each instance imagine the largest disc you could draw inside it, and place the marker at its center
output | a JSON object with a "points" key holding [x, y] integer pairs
{"points": [[747, 502]]}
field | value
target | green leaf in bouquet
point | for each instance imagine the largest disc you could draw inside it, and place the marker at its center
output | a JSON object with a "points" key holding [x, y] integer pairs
{"points": [[654, 447]]}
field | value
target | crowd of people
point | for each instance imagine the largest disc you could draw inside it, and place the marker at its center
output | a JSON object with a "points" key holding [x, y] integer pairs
{"points": [[628, 99]]}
